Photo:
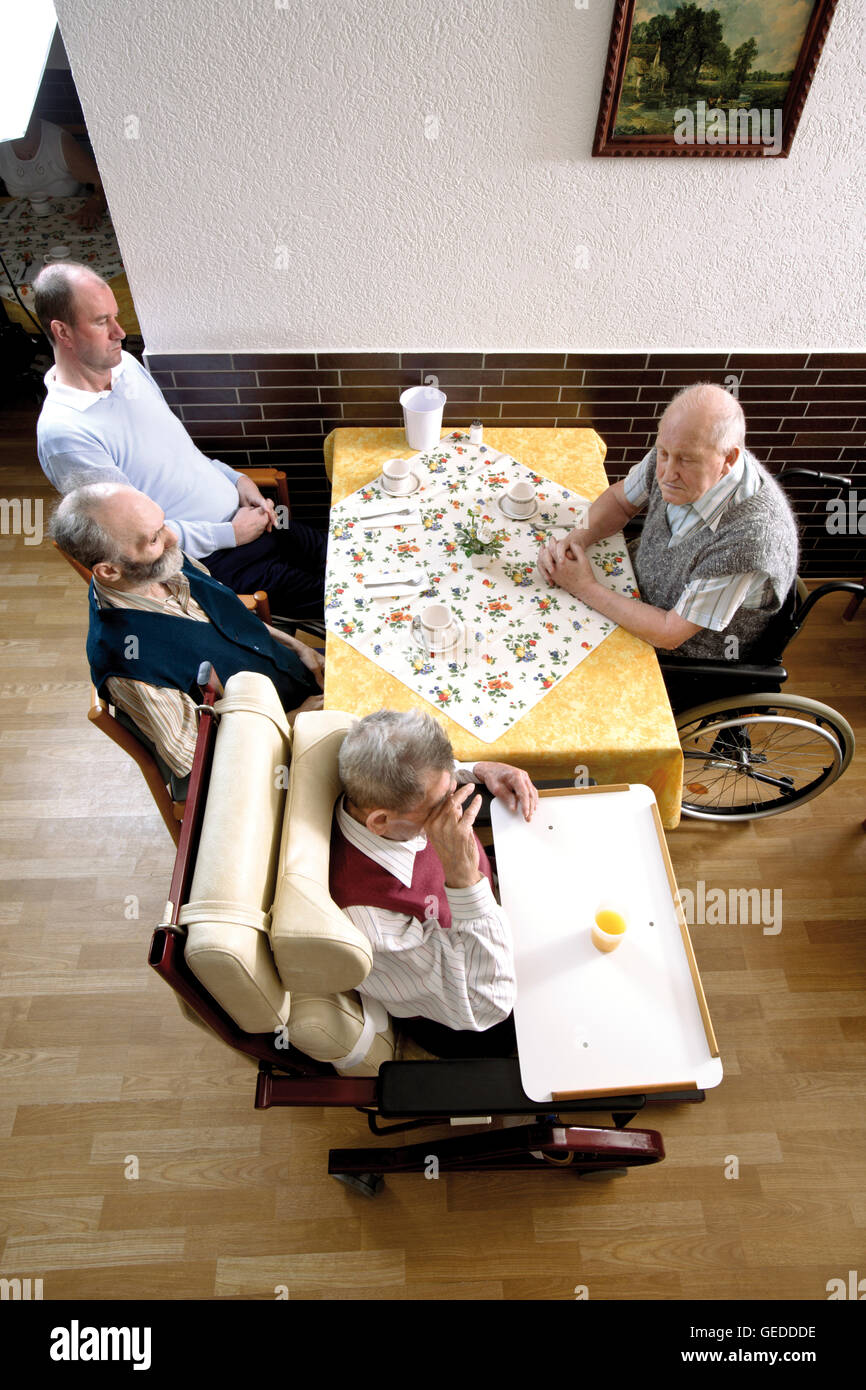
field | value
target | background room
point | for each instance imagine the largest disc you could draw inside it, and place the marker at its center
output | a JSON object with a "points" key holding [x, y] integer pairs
{"points": [[317, 206]]}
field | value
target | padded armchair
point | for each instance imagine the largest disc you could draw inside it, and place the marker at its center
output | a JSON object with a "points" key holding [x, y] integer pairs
{"points": [[264, 936]]}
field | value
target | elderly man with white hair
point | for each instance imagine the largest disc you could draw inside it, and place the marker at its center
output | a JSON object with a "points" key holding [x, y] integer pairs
{"points": [[408, 869], [718, 552], [157, 614]]}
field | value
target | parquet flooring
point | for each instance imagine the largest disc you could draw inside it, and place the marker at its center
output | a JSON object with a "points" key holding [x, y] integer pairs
{"points": [[98, 1065]]}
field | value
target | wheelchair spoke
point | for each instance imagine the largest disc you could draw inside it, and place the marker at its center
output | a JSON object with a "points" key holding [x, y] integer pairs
{"points": [[761, 759]]}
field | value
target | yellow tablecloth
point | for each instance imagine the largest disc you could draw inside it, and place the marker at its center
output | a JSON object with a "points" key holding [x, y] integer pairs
{"points": [[611, 715]]}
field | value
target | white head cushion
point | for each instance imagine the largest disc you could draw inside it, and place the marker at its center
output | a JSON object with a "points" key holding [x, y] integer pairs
{"points": [[315, 946], [227, 916]]}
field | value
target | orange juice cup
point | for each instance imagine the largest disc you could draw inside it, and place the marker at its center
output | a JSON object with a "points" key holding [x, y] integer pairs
{"points": [[608, 928]]}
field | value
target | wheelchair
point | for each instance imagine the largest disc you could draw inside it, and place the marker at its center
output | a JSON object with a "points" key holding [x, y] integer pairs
{"points": [[752, 751], [260, 956]]}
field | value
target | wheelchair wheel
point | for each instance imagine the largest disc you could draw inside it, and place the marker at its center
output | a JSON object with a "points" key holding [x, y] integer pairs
{"points": [[759, 755]]}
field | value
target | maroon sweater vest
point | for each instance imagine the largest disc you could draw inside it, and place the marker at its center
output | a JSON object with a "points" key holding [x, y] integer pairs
{"points": [[356, 881]]}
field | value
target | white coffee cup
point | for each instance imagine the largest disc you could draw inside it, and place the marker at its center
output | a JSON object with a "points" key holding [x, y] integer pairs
{"points": [[436, 621], [56, 253], [422, 416], [40, 204], [397, 476], [521, 498]]}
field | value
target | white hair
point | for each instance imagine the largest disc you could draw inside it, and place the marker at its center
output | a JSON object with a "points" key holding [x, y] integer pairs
{"points": [[726, 425], [386, 758], [75, 528]]}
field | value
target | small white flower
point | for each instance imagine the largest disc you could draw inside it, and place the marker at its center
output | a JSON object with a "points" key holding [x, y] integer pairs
{"points": [[485, 533]]}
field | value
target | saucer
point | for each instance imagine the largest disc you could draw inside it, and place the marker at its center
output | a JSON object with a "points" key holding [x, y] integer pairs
{"points": [[456, 637], [513, 516], [395, 496]]}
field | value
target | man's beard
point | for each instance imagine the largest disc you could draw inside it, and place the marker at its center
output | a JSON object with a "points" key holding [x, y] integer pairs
{"points": [[169, 564]]}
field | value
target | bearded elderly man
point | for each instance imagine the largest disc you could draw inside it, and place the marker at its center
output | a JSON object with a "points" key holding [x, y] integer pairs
{"points": [[156, 615], [408, 869], [718, 552]]}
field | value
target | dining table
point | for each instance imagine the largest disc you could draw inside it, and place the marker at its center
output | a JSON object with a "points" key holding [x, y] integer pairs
{"points": [[608, 719], [26, 239]]}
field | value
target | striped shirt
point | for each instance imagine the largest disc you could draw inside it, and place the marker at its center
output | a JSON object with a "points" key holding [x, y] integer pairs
{"points": [[463, 977], [167, 717], [713, 601]]}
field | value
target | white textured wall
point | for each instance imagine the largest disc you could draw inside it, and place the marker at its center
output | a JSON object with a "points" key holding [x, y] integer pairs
{"points": [[304, 125]]}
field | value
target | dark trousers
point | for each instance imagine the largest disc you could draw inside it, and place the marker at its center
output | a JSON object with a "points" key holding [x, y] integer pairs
{"points": [[498, 1041], [288, 562], [684, 692]]}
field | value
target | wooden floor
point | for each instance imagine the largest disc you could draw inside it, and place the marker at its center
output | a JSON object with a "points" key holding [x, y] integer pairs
{"points": [[99, 1068]]}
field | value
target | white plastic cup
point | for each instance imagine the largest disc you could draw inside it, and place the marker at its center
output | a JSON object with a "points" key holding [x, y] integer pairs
{"points": [[397, 476], [521, 498], [436, 621], [603, 940], [422, 416]]}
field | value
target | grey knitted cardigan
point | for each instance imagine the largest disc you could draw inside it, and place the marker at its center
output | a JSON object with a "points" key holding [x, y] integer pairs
{"points": [[757, 534]]}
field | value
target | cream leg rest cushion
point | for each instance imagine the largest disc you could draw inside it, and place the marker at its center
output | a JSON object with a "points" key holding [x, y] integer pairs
{"points": [[319, 953], [228, 913]]}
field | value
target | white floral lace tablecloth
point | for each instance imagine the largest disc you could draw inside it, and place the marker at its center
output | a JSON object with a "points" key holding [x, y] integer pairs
{"points": [[525, 637]]}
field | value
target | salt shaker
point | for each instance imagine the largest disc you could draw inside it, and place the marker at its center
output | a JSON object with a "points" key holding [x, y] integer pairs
{"points": [[476, 432]]}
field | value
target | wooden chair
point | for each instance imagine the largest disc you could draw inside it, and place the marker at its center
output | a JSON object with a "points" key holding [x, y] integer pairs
{"points": [[169, 794], [271, 478], [103, 716], [166, 793]]}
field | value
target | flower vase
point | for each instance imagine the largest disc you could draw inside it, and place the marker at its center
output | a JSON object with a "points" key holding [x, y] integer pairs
{"points": [[480, 562]]}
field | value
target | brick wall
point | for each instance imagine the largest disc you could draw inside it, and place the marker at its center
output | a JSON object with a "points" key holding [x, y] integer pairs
{"points": [[801, 408]]}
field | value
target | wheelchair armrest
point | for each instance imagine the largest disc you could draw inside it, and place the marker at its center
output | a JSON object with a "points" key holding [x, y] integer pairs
{"points": [[811, 473], [737, 670], [839, 586]]}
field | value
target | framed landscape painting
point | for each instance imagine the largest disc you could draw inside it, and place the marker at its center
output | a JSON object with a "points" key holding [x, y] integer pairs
{"points": [[708, 77]]}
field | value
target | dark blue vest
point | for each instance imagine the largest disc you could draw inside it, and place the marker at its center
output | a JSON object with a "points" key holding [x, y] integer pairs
{"points": [[168, 650]]}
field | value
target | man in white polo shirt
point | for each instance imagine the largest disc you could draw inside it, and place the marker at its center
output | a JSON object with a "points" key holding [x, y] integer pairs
{"points": [[105, 420]]}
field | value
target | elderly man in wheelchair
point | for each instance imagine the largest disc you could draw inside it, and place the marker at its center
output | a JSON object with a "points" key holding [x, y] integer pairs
{"points": [[323, 935], [716, 563], [408, 869]]}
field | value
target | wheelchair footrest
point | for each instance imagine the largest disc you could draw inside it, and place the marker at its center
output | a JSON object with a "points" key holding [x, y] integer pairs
{"points": [[531, 1146], [477, 1086]]}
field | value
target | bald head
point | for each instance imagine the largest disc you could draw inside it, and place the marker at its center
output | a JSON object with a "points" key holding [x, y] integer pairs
{"points": [[714, 412], [78, 311], [55, 289], [118, 533]]}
